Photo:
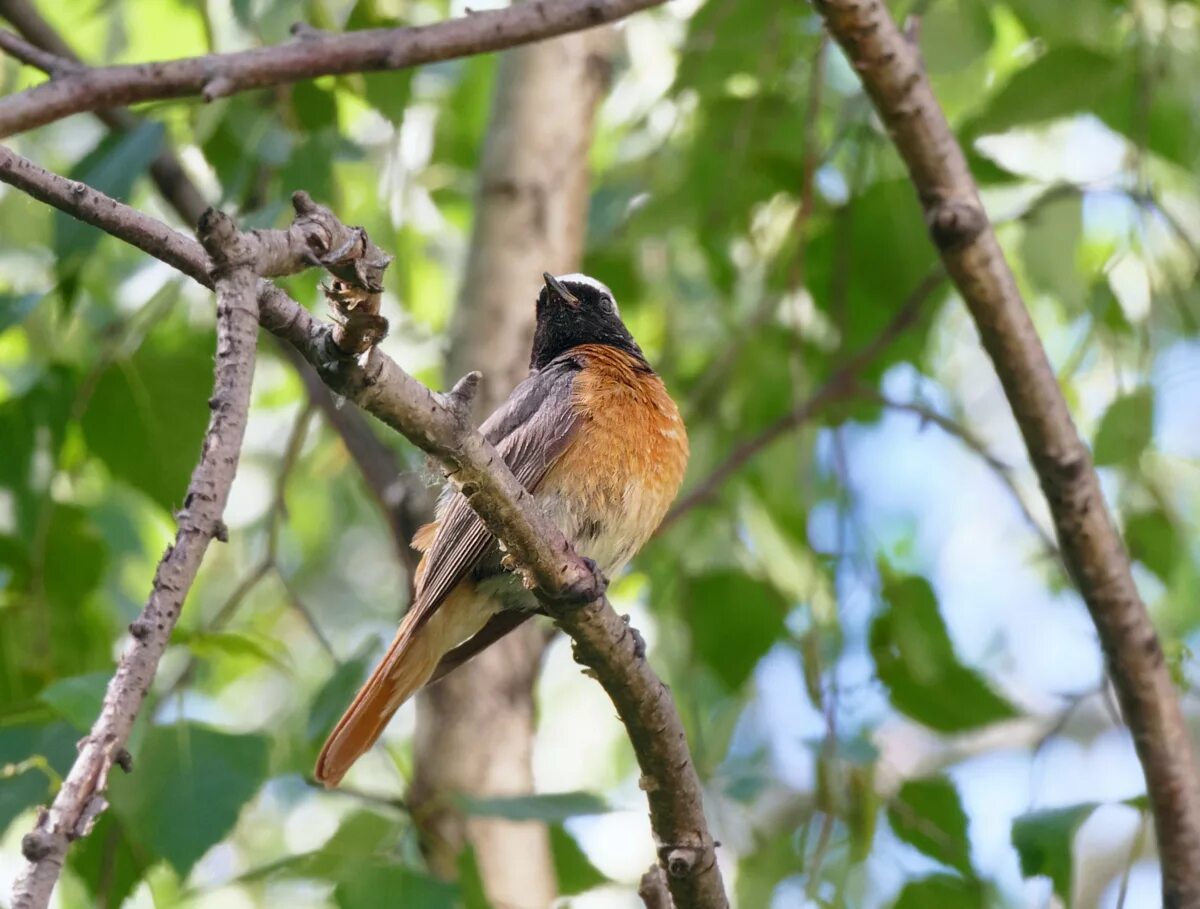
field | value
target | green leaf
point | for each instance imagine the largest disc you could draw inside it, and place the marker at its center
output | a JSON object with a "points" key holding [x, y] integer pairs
{"points": [[733, 648], [941, 891], [955, 34], [15, 307], [387, 887], [1126, 429], [915, 660], [1154, 541], [927, 814], [190, 785], [1049, 246], [574, 870], [1064, 80], [77, 699], [147, 415], [111, 167], [21, 788], [1043, 842], [549, 808]]}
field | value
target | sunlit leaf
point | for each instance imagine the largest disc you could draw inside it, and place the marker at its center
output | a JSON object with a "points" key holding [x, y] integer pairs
{"points": [[1126, 429], [388, 886], [1154, 541], [77, 699], [574, 870], [927, 814], [915, 660], [190, 785], [941, 891], [732, 648], [1043, 841], [1065, 80], [148, 413]]}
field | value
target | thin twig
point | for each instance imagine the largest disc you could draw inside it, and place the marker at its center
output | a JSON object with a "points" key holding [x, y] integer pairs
{"points": [[894, 78], [220, 75]]}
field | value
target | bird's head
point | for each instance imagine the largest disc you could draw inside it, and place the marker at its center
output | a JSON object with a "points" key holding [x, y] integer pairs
{"points": [[575, 309]]}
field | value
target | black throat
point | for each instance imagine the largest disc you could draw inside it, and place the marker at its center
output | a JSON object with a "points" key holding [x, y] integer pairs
{"points": [[592, 320]]}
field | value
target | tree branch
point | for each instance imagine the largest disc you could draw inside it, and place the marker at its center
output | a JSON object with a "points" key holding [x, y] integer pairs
{"points": [[219, 75], [439, 424], [892, 74], [81, 799]]}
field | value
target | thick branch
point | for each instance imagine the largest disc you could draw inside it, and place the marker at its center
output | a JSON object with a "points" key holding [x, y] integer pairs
{"points": [[81, 799], [219, 75], [891, 71], [439, 425]]}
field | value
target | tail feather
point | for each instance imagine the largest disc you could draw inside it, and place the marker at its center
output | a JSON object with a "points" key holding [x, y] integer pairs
{"points": [[409, 663]]}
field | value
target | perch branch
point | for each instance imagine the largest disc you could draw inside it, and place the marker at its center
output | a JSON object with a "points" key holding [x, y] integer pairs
{"points": [[893, 76], [219, 75], [81, 799], [439, 425]]}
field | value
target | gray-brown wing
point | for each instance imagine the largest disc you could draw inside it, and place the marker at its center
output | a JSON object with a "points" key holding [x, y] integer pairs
{"points": [[530, 431]]}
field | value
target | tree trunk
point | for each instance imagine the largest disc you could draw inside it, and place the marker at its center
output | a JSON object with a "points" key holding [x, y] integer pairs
{"points": [[475, 728]]}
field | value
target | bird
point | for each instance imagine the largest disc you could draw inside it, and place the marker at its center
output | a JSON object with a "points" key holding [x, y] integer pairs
{"points": [[594, 435]]}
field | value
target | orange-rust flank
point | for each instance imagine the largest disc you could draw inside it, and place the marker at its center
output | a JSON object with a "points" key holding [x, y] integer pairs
{"points": [[632, 449]]}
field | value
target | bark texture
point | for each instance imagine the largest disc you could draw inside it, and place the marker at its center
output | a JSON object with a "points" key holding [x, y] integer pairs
{"points": [[891, 71], [475, 728]]}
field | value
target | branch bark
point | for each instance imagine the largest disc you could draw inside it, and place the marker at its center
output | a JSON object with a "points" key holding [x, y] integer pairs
{"points": [[81, 799], [440, 425], [892, 74], [312, 55], [475, 728]]}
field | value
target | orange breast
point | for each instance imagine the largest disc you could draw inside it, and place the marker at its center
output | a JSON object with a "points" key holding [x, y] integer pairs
{"points": [[616, 481]]}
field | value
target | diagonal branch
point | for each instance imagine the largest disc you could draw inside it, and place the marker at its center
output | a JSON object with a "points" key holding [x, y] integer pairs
{"points": [[439, 424], [219, 75], [892, 74], [81, 799]]}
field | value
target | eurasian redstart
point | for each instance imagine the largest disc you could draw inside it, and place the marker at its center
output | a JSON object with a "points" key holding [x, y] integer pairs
{"points": [[593, 434]]}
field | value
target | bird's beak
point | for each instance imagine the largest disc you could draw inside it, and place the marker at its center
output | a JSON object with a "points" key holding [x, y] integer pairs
{"points": [[557, 288]]}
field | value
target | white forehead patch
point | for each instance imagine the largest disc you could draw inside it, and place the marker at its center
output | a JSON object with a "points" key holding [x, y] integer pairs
{"points": [[588, 281]]}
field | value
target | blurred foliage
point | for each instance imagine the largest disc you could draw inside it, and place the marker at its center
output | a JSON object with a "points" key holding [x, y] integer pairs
{"points": [[828, 665]]}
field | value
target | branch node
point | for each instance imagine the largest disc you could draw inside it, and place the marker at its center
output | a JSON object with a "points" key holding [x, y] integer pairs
{"points": [[305, 32], [218, 87], [124, 760], [139, 629], [36, 845], [955, 223]]}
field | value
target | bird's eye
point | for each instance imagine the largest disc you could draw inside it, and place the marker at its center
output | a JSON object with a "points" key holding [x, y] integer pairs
{"points": [[610, 303]]}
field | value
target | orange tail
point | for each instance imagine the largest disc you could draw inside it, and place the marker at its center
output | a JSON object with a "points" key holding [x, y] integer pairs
{"points": [[407, 666]]}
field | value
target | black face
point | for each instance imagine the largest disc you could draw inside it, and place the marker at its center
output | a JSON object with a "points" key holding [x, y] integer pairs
{"points": [[574, 311]]}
